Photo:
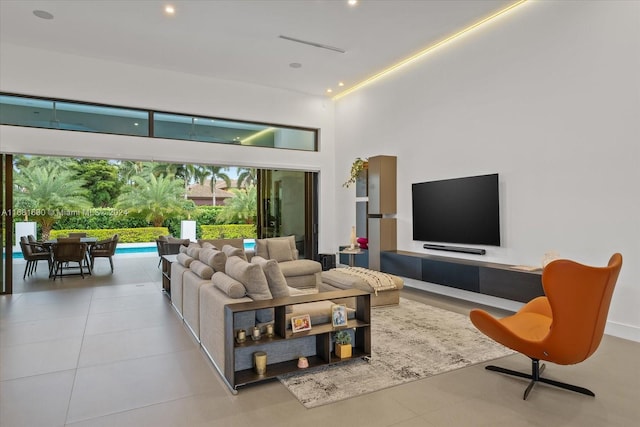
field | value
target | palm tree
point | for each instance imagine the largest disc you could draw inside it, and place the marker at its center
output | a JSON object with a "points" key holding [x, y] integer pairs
{"points": [[53, 192], [128, 169], [154, 198], [171, 170], [190, 173], [246, 176], [50, 163], [241, 208], [217, 172]]}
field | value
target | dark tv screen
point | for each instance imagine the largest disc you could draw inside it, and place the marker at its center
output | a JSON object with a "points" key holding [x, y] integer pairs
{"points": [[460, 210]]}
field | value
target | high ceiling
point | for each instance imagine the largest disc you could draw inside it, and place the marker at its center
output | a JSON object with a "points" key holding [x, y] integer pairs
{"points": [[240, 39]]}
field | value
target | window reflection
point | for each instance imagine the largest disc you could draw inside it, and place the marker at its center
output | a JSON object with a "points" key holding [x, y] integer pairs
{"points": [[54, 114], [72, 116]]}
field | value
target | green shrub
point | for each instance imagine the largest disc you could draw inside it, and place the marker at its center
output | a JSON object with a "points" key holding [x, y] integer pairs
{"points": [[207, 215], [126, 235], [228, 231], [99, 218]]}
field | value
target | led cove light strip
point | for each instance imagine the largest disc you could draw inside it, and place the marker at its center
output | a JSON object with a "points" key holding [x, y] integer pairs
{"points": [[424, 52], [257, 135]]}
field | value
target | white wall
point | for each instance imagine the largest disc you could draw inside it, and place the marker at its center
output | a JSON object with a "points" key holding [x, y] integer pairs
{"points": [[47, 74], [549, 98]]}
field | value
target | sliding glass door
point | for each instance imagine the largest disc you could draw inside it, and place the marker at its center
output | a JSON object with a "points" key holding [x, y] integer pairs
{"points": [[287, 205]]}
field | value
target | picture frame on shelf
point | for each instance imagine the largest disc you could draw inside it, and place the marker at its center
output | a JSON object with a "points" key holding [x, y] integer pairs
{"points": [[339, 315], [300, 323]]}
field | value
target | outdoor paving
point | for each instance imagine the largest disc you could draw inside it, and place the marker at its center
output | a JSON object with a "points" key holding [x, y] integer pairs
{"points": [[128, 268]]}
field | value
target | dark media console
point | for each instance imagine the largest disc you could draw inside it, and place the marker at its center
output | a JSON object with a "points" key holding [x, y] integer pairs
{"points": [[499, 280], [455, 249]]}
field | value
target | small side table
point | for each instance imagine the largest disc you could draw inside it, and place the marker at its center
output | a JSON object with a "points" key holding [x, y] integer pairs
{"points": [[167, 260], [352, 254]]}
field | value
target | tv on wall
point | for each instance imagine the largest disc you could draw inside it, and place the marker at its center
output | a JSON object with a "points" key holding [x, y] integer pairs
{"points": [[459, 210]]}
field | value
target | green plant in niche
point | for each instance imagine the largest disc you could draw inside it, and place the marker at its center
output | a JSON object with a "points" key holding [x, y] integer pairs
{"points": [[342, 337], [358, 165]]}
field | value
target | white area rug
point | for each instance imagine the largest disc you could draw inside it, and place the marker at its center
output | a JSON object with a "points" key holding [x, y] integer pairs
{"points": [[410, 341]]}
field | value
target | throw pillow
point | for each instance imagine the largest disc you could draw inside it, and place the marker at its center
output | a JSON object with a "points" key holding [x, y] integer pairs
{"points": [[213, 258], [279, 250], [184, 260], [201, 270], [232, 288], [193, 251], [275, 278], [233, 251], [261, 248], [250, 275]]}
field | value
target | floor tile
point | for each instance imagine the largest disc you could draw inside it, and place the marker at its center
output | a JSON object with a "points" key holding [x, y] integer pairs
{"points": [[42, 330], [127, 302], [134, 343], [41, 357], [24, 311], [210, 409], [120, 386], [130, 319], [125, 290], [40, 400]]}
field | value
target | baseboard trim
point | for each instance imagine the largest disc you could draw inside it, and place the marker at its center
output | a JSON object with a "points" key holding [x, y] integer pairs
{"points": [[616, 329], [621, 330]]}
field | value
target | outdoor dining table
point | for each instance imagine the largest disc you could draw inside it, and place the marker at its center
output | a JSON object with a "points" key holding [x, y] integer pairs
{"points": [[49, 244]]}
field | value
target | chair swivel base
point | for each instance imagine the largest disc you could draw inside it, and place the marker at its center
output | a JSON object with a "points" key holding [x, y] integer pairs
{"points": [[536, 371]]}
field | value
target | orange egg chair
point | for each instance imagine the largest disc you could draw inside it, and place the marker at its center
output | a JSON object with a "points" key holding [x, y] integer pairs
{"points": [[564, 327]]}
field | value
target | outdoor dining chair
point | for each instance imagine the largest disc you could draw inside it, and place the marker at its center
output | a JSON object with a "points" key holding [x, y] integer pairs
{"points": [[104, 249], [33, 252], [67, 251]]}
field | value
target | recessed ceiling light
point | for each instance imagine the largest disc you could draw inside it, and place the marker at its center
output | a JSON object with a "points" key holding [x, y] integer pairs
{"points": [[169, 10], [43, 14], [329, 90], [352, 2], [341, 84], [295, 65]]}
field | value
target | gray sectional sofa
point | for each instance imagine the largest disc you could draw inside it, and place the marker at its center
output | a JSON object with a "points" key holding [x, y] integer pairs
{"points": [[209, 275]]}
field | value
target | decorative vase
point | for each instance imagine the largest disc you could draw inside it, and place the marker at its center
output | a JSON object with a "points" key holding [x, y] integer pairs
{"points": [[303, 362], [260, 362], [343, 350]]}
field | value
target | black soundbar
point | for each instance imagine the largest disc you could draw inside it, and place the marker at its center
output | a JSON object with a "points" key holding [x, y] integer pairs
{"points": [[455, 249]]}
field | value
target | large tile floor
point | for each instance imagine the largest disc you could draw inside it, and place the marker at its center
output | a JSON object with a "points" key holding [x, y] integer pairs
{"points": [[110, 351]]}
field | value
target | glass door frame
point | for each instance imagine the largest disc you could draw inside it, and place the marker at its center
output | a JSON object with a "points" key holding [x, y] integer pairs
{"points": [[268, 225], [6, 207]]}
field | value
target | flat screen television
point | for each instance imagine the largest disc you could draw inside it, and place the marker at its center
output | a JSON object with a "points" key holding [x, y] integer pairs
{"points": [[459, 210]]}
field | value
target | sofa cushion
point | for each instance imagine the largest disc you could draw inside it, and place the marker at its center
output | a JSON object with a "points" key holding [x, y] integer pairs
{"points": [[213, 258], [184, 260], [233, 251], [275, 278], [301, 267], [279, 250], [208, 245], [250, 275], [231, 287], [262, 249], [193, 251], [201, 269]]}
